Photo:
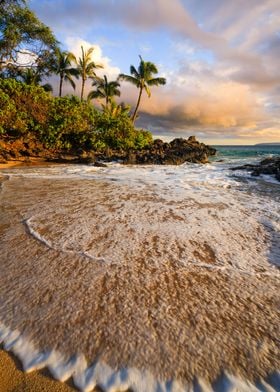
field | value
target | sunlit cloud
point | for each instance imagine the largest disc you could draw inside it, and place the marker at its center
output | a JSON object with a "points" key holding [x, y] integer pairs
{"points": [[74, 44], [221, 59]]}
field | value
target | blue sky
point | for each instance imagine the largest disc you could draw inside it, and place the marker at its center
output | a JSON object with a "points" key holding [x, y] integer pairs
{"points": [[221, 59]]}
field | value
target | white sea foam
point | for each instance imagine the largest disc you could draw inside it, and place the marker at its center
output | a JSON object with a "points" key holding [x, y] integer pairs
{"points": [[86, 377]]}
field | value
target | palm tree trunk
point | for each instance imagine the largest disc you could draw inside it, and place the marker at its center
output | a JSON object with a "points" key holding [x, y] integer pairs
{"points": [[83, 87], [60, 85], [137, 105]]}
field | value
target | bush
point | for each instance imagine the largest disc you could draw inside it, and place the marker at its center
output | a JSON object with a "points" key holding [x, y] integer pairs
{"points": [[118, 132], [29, 112], [70, 123], [23, 108]]}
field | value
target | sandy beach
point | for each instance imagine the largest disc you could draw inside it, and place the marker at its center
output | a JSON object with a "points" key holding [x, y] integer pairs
{"points": [[24, 163], [176, 283], [13, 379]]}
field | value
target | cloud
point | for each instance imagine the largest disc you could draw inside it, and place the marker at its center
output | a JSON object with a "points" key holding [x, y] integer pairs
{"points": [[144, 14], [228, 105], [200, 98], [225, 58], [73, 44]]}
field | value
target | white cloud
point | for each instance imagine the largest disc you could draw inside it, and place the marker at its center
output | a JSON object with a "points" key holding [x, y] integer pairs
{"points": [[73, 44]]}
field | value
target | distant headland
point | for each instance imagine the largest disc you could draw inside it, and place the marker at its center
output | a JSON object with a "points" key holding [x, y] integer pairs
{"points": [[268, 144]]}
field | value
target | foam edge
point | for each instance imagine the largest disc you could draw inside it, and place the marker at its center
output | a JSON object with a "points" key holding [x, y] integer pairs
{"points": [[87, 377]]}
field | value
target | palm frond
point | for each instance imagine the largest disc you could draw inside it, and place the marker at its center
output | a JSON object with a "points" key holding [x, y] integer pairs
{"points": [[151, 67], [95, 94], [134, 71], [74, 72], [114, 84], [69, 79], [129, 78], [117, 93], [71, 57], [156, 82]]}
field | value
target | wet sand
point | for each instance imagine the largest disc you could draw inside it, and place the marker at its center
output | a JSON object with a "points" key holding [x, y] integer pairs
{"points": [[24, 163], [139, 280], [13, 379]]}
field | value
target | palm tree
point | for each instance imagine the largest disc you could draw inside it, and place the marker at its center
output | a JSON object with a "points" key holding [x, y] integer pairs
{"points": [[142, 78], [105, 90], [31, 76], [86, 67], [62, 67]]}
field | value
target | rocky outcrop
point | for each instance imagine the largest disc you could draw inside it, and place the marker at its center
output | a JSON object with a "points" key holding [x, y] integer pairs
{"points": [[176, 152], [20, 150], [269, 166]]}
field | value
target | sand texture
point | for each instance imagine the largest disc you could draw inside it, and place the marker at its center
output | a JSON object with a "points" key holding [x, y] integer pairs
{"points": [[182, 287], [13, 379]]}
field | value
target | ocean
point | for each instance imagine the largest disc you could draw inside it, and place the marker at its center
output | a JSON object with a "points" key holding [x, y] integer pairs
{"points": [[153, 278], [255, 152]]}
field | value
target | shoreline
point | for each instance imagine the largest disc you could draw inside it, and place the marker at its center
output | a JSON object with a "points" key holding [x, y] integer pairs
{"points": [[79, 269], [25, 163], [13, 378], [43, 373]]}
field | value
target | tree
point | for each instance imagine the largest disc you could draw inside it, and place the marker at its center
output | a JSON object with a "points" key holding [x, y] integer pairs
{"points": [[62, 67], [30, 76], [86, 67], [105, 90], [143, 78], [24, 40]]}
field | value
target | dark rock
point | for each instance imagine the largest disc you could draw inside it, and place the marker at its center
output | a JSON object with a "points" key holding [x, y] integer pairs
{"points": [[24, 153], [100, 164], [176, 152], [270, 166], [192, 139], [244, 167], [159, 152]]}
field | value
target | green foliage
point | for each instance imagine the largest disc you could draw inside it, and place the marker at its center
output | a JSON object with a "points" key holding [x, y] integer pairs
{"points": [[22, 33], [143, 78], [23, 108], [62, 66], [87, 67], [27, 111], [33, 76], [143, 138], [70, 124], [114, 129], [104, 90]]}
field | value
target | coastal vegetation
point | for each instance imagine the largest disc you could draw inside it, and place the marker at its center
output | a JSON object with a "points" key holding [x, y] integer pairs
{"points": [[63, 67], [30, 54], [143, 79], [105, 90], [31, 115]]}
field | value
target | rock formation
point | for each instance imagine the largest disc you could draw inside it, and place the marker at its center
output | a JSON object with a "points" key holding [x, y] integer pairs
{"points": [[269, 166]]}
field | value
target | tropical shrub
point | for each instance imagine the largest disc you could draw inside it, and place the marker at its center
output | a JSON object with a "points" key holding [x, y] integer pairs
{"points": [[23, 108], [29, 112], [70, 123], [117, 132]]}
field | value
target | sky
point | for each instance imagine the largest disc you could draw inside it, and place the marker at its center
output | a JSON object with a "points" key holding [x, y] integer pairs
{"points": [[221, 59]]}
